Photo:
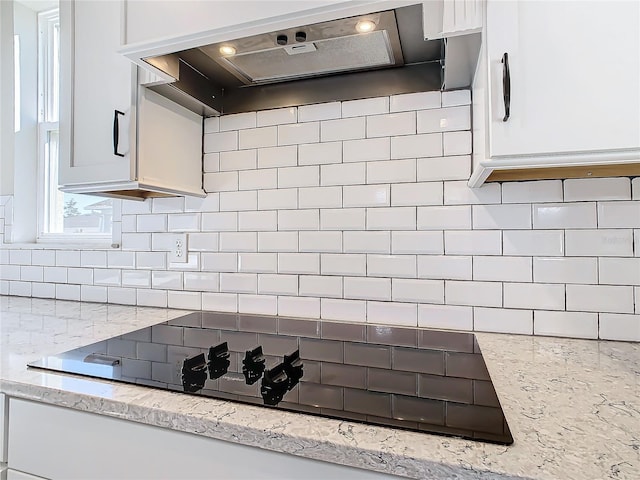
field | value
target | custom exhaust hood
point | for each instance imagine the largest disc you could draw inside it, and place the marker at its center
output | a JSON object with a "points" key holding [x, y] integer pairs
{"points": [[370, 55]]}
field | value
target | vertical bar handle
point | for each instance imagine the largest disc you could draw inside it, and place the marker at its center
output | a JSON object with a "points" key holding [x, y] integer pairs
{"points": [[506, 87], [116, 132]]}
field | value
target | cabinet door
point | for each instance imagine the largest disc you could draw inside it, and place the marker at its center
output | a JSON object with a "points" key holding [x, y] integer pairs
{"points": [[96, 83], [574, 76]]}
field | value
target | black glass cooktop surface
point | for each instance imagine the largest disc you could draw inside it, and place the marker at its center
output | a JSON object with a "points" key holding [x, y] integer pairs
{"points": [[423, 380]]}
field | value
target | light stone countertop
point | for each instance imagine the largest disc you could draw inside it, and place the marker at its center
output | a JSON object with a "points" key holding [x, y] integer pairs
{"points": [[573, 406]]}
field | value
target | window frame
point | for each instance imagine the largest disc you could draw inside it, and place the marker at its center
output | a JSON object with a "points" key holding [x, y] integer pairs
{"points": [[48, 121]]}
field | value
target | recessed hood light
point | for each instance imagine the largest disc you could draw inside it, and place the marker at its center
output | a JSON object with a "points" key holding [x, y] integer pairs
{"points": [[227, 50], [365, 26]]}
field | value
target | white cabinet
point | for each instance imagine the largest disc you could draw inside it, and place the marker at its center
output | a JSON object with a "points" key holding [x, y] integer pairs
{"points": [[573, 71], [117, 138], [3, 426], [59, 443]]}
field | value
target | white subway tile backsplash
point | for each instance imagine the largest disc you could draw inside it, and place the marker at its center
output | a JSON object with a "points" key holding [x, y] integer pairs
{"points": [[330, 242], [506, 269], [47, 258], [20, 257], [278, 241], [539, 296], [258, 304], [238, 241], [581, 189], [362, 288], [391, 124], [445, 316], [366, 196], [443, 168], [240, 160], [299, 307], [417, 146], [151, 223], [367, 106], [258, 179], [211, 162], [343, 264], [220, 302], [67, 292], [64, 258], [560, 215], [34, 274], [459, 193], [221, 182], [220, 262], [220, 142], [168, 205], [151, 298], [343, 174], [277, 116], [369, 149], [92, 293], [321, 286], [133, 207], [620, 327], [82, 276], [278, 157], [600, 298], [218, 222], [615, 243], [391, 171], [151, 260], [184, 222], [444, 119], [428, 243], [421, 291], [566, 324], [402, 314], [281, 199], [320, 153], [184, 300], [367, 242], [619, 271], [485, 294], [502, 217], [444, 267], [534, 243], [133, 278], [211, 203], [346, 310], [321, 111], [299, 177], [238, 282], [487, 242], [297, 133], [320, 197], [212, 125], [415, 101], [396, 218], [635, 185], [344, 129], [391, 266], [105, 276], [50, 274], [444, 218], [298, 220], [532, 192], [121, 259], [342, 219], [619, 214], [299, 263], [258, 262], [456, 143], [456, 97], [502, 320], [262, 220], [162, 280], [238, 121], [238, 201], [270, 284], [136, 241]]}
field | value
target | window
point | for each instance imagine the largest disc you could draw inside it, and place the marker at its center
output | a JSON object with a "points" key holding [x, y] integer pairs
{"points": [[60, 214]]}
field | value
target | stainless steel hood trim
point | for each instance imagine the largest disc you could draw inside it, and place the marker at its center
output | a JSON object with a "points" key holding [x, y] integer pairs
{"points": [[131, 190]]}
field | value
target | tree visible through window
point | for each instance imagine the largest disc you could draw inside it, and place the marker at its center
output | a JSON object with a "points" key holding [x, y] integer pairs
{"points": [[60, 213]]}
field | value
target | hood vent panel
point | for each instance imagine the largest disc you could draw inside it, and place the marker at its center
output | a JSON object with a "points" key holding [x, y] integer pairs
{"points": [[333, 55]]}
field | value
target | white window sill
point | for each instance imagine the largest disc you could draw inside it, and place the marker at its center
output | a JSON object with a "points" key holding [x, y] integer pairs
{"points": [[102, 245]]}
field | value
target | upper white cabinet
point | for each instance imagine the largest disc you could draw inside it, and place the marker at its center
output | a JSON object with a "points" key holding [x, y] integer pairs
{"points": [[116, 138], [558, 86]]}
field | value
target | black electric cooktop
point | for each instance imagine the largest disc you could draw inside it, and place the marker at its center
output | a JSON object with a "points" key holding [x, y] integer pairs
{"points": [[423, 380]]}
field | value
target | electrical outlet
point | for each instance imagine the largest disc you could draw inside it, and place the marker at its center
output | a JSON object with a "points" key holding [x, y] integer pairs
{"points": [[179, 252]]}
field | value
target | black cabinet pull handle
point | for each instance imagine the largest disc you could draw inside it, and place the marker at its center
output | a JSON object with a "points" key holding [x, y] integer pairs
{"points": [[506, 87], [116, 132]]}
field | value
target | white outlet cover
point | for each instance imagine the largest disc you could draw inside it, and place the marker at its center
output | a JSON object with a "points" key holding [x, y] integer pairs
{"points": [[179, 252]]}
